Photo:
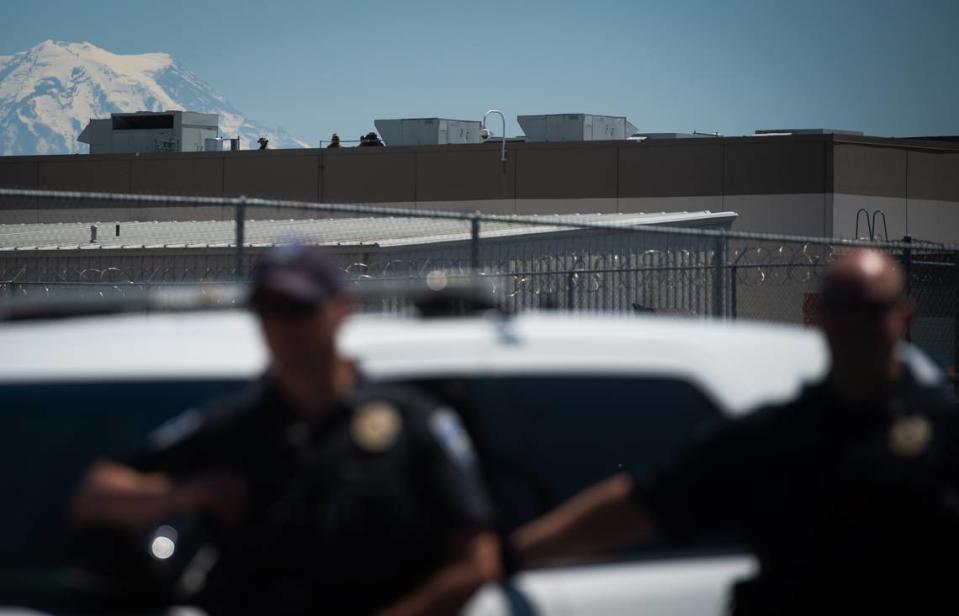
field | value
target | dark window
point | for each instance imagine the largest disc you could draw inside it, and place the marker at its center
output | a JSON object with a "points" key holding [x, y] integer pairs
{"points": [[544, 438], [142, 122], [49, 433]]}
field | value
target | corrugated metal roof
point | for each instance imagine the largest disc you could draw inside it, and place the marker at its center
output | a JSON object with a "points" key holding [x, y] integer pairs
{"points": [[375, 231]]}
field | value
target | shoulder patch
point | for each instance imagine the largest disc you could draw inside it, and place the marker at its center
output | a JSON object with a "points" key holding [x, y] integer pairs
{"points": [[176, 429], [449, 432]]}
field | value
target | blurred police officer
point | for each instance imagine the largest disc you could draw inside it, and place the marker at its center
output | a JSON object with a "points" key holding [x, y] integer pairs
{"points": [[848, 495], [327, 494]]}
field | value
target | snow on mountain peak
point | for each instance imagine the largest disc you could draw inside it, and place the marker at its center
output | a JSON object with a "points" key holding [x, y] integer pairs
{"points": [[49, 93]]}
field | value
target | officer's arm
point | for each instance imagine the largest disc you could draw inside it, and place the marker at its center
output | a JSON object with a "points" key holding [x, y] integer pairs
{"points": [[115, 494], [601, 518], [708, 489], [474, 561]]}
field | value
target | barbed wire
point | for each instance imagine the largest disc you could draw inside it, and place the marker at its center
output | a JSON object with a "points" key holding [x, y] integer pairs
{"points": [[751, 265]]}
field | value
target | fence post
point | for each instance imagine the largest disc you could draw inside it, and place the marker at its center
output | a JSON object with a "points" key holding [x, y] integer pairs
{"points": [[733, 291], [240, 216], [475, 242], [955, 320], [907, 258], [719, 268], [954, 266]]}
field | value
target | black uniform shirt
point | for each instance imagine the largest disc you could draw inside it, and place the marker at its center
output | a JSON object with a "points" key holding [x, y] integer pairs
{"points": [[843, 506], [347, 513]]}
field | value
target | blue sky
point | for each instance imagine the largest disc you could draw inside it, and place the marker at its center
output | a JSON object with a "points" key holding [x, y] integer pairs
{"points": [[884, 67]]}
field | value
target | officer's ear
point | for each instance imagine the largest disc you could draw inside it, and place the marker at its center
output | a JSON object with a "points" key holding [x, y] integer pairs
{"points": [[908, 311], [339, 307], [909, 307]]}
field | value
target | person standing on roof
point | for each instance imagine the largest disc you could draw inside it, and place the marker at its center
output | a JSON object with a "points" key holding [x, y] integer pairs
{"points": [[848, 496], [264, 143], [327, 493], [370, 140], [334, 141]]}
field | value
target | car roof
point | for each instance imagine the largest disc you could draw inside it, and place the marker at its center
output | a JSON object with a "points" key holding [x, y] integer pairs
{"points": [[738, 364]]}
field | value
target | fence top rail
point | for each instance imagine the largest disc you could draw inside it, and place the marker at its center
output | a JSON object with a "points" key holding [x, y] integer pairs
{"points": [[376, 210]]}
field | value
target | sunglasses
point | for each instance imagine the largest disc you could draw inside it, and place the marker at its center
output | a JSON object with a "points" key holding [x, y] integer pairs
{"points": [[283, 308], [857, 306]]}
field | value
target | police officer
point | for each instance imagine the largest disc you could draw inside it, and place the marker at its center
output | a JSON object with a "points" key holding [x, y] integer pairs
{"points": [[371, 140], [848, 496], [327, 494]]}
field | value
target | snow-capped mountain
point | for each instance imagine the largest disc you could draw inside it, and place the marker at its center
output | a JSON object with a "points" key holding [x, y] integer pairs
{"points": [[50, 92]]}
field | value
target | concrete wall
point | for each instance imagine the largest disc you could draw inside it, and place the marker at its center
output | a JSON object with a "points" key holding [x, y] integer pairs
{"points": [[793, 214], [917, 191], [887, 214], [933, 175], [928, 220], [776, 184], [791, 166], [932, 220]]}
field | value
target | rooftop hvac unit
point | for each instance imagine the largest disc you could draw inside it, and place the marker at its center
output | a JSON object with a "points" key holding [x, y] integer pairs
{"points": [[428, 131], [575, 127]]}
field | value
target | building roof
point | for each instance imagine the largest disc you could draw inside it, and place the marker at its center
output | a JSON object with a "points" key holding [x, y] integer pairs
{"points": [[372, 232]]}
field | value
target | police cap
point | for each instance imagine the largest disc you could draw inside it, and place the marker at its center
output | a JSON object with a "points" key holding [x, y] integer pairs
{"points": [[303, 274]]}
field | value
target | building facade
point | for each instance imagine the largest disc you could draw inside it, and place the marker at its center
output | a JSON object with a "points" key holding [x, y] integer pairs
{"points": [[833, 185]]}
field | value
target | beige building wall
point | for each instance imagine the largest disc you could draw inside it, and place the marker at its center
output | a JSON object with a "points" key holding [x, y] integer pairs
{"points": [[889, 213], [917, 191], [933, 221], [870, 171], [799, 214], [369, 175], [804, 184], [933, 175], [449, 177]]}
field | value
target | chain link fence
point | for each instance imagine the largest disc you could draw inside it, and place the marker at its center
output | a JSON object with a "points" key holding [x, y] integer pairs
{"points": [[100, 245]]}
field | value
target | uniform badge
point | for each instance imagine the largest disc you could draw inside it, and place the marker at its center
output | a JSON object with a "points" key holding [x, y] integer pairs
{"points": [[376, 426], [909, 436]]}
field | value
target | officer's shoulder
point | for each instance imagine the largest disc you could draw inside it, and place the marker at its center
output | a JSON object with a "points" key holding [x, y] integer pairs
{"points": [[783, 414], [935, 399], [234, 407], [214, 417], [408, 399]]}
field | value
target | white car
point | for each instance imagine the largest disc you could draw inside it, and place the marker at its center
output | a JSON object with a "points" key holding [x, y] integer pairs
{"points": [[553, 402]]}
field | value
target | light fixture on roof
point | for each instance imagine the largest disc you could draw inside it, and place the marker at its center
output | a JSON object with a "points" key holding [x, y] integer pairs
{"points": [[502, 137]]}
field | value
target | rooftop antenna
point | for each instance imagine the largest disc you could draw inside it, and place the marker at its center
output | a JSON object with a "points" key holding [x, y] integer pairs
{"points": [[503, 136]]}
